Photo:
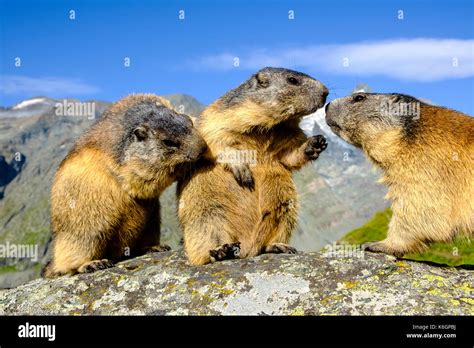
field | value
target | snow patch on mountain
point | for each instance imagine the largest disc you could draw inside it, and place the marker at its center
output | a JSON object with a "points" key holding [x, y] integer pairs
{"points": [[319, 118], [30, 102]]}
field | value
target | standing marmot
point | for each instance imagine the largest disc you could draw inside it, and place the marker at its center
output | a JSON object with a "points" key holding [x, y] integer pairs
{"points": [[253, 131], [427, 157], [104, 199]]}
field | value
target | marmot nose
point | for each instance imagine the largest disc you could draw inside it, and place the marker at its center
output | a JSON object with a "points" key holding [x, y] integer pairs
{"points": [[199, 149], [202, 150], [326, 107]]}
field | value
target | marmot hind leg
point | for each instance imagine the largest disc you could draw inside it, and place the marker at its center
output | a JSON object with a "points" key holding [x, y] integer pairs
{"points": [[278, 221], [77, 257], [383, 247], [49, 271], [397, 248], [401, 238], [225, 252], [202, 246], [156, 249], [149, 240], [279, 248]]}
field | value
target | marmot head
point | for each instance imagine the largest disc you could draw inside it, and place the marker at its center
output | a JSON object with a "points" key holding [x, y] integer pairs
{"points": [[362, 118], [272, 96], [153, 140]]}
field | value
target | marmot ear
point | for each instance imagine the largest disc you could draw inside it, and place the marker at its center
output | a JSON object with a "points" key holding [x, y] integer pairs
{"points": [[140, 133], [262, 79], [395, 98]]}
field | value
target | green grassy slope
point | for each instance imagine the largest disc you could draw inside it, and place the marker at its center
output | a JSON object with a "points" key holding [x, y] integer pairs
{"points": [[461, 251]]}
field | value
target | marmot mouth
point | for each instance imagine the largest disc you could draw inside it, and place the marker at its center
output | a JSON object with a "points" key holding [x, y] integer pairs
{"points": [[316, 108], [333, 125]]}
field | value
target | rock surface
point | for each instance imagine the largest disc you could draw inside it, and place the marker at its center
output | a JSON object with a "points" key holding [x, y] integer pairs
{"points": [[301, 284]]}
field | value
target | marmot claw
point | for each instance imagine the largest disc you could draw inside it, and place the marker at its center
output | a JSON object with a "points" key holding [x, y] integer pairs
{"points": [[158, 248], [279, 248], [380, 247], [315, 145], [95, 265], [243, 175], [225, 252]]}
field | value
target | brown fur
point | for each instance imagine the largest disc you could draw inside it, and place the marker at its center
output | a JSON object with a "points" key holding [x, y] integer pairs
{"points": [[216, 211], [104, 199], [428, 166]]}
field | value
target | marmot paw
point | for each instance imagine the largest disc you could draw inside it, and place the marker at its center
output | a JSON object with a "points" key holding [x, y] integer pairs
{"points": [[243, 175], [157, 248], [314, 146], [225, 252], [381, 247], [279, 248], [95, 265]]}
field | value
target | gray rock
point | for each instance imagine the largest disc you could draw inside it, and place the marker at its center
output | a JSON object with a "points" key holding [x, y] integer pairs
{"points": [[301, 284]]}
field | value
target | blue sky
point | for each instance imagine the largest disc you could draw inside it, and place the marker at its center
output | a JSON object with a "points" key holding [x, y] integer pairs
{"points": [[84, 58]]}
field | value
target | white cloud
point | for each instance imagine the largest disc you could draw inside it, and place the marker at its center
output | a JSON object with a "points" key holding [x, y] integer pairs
{"points": [[14, 84], [419, 59]]}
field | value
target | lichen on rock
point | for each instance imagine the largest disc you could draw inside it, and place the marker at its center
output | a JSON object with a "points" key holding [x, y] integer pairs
{"points": [[301, 284]]}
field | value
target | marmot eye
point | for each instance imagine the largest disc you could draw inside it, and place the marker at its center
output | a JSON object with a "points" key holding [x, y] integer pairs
{"points": [[359, 97], [171, 143], [293, 81]]}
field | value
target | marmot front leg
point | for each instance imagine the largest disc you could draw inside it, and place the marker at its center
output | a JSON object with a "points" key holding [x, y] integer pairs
{"points": [[231, 160], [242, 174], [308, 151]]}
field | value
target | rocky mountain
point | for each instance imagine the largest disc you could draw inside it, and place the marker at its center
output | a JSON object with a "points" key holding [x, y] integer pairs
{"points": [[300, 284], [337, 194], [28, 108], [32, 147], [185, 103]]}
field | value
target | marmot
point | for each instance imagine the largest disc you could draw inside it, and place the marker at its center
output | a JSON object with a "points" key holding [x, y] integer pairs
{"points": [[104, 199], [252, 134], [426, 154]]}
